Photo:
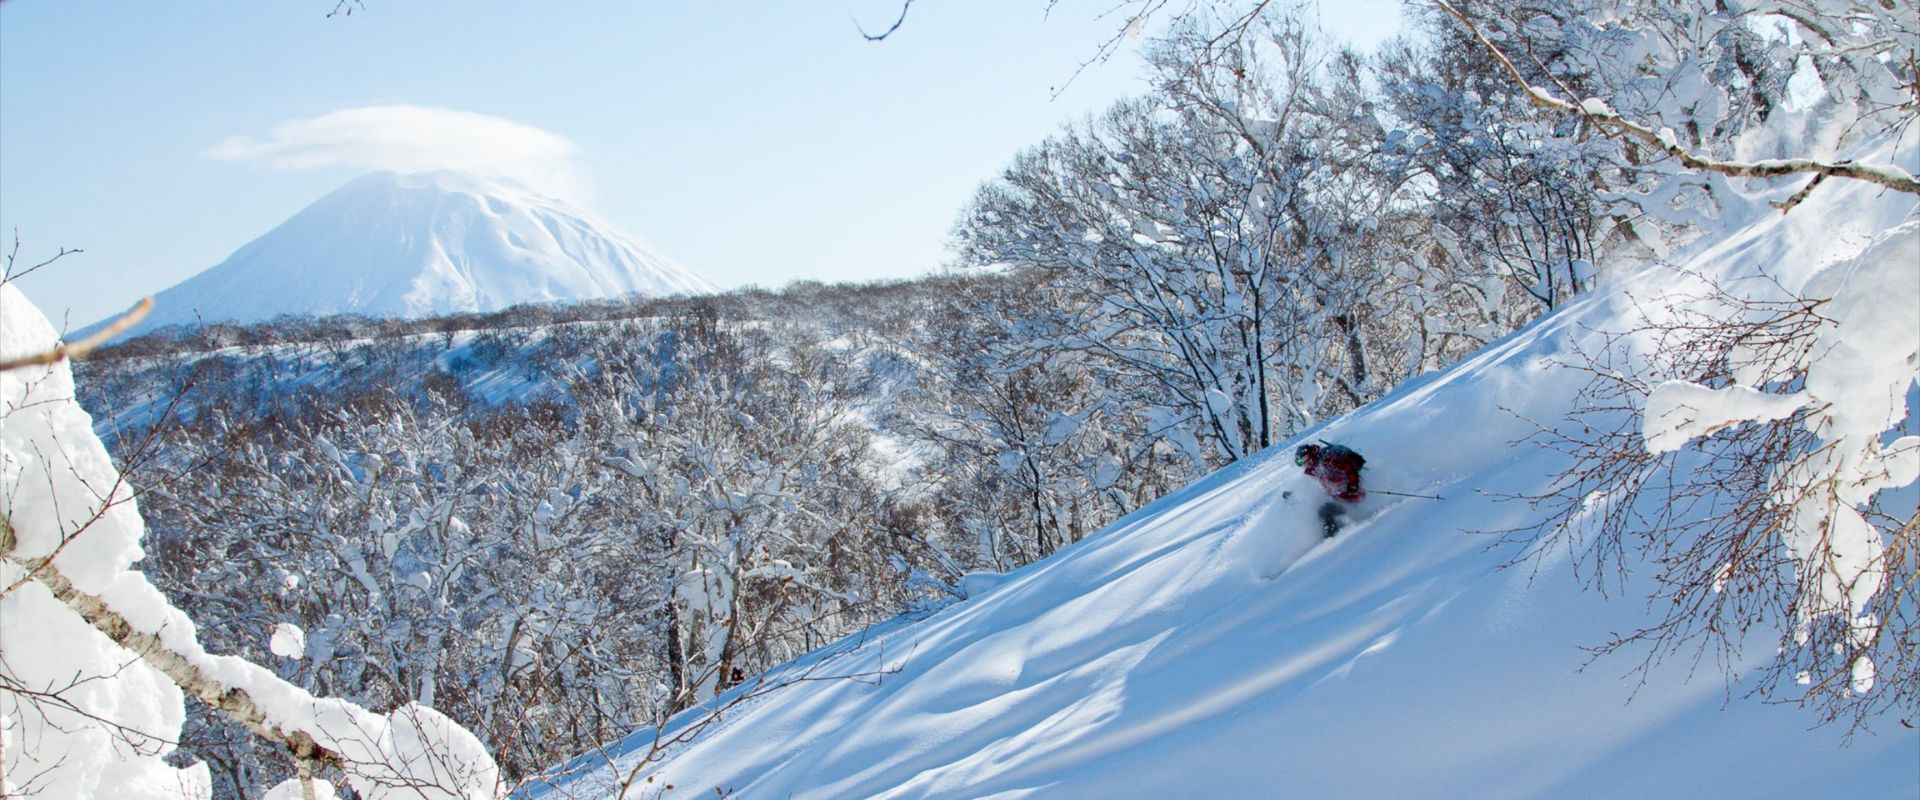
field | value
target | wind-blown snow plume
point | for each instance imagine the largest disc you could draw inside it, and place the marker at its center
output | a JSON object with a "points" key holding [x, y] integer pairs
{"points": [[407, 138]]}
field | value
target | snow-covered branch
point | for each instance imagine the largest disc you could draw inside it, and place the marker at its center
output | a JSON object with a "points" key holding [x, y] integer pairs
{"points": [[1614, 124], [236, 703]]}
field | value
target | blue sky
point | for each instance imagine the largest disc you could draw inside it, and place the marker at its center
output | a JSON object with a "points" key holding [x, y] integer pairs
{"points": [[755, 142]]}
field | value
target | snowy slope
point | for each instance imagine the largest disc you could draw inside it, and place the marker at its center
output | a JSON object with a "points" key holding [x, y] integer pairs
{"points": [[416, 245], [1211, 645]]}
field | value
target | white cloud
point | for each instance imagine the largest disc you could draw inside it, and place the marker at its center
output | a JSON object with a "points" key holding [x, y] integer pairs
{"points": [[416, 139]]}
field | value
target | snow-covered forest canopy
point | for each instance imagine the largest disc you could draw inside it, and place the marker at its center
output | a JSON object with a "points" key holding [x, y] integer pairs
{"points": [[440, 557]]}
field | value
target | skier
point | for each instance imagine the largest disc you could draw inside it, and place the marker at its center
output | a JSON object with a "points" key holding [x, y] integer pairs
{"points": [[1338, 469]]}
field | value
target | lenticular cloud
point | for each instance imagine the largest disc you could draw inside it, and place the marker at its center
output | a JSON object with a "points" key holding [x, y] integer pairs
{"points": [[406, 138]]}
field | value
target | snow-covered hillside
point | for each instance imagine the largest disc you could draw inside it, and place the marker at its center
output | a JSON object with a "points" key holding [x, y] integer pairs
{"points": [[392, 245], [1212, 645]]}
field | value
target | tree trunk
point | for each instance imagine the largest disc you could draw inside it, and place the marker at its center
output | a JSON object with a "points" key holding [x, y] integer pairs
{"points": [[236, 703]]}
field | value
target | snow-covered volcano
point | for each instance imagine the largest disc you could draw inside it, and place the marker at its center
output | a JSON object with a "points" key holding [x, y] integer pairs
{"points": [[392, 245]]}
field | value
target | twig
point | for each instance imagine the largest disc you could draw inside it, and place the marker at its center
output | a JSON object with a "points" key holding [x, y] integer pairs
{"points": [[80, 349], [13, 255], [905, 6]]}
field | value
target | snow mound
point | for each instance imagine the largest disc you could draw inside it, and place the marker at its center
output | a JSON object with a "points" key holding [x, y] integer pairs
{"points": [[392, 245], [64, 501]]}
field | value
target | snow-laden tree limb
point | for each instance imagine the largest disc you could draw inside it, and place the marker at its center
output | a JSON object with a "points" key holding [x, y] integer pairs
{"points": [[1613, 124], [235, 703]]}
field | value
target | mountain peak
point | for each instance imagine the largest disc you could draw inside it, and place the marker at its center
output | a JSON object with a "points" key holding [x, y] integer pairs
{"points": [[390, 244]]}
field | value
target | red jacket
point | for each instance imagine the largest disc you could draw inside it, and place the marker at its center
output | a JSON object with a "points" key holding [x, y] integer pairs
{"points": [[1338, 469]]}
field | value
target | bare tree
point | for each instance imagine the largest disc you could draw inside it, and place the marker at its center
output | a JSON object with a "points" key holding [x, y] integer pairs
{"points": [[1745, 441], [1753, 527], [1217, 247]]}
